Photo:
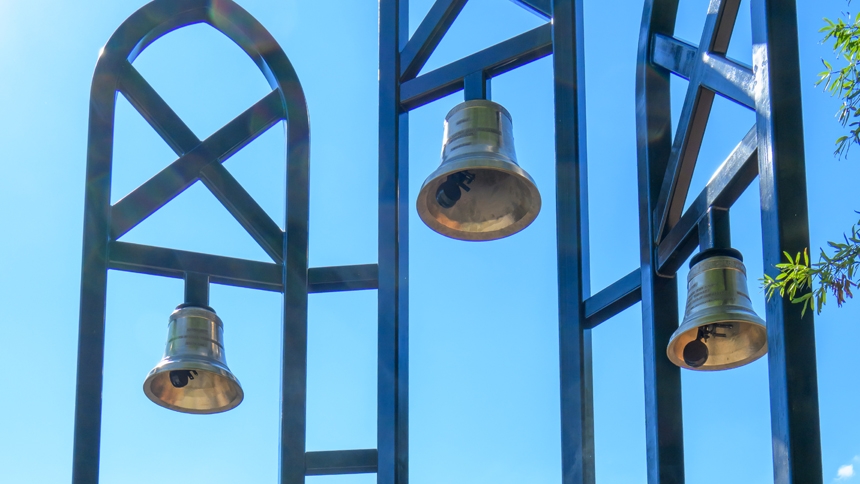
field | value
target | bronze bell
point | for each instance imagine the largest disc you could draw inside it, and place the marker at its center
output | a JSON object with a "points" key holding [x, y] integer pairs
{"points": [[479, 192], [720, 329], [193, 377]]}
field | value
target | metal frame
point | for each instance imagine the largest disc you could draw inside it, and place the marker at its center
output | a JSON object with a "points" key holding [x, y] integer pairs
{"points": [[202, 160], [668, 237], [772, 150]]}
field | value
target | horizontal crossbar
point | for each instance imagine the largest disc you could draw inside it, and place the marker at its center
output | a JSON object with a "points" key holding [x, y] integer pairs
{"points": [[724, 76], [493, 61], [619, 296], [229, 271], [331, 462], [343, 278], [723, 190]]}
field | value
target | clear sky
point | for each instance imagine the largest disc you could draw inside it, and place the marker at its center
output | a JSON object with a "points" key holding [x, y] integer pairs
{"points": [[483, 316]]}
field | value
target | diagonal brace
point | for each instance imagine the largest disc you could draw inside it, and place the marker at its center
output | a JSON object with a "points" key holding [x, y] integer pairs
{"points": [[182, 173], [694, 117], [427, 36]]}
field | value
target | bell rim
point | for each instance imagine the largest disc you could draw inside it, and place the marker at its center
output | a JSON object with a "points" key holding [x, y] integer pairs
{"points": [[757, 323], [478, 102], [502, 164], [193, 364]]}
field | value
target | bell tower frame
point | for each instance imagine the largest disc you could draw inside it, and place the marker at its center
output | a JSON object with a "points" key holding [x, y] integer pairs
{"points": [[288, 273], [771, 151]]}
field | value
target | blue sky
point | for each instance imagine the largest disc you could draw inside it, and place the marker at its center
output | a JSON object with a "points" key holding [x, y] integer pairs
{"points": [[484, 358]]}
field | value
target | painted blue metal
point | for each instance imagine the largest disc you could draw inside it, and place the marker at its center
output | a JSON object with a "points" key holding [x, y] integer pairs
{"points": [[393, 344], [694, 114], [492, 61], [333, 462], [663, 417], [571, 179], [104, 223], [772, 149], [427, 36], [785, 228]]}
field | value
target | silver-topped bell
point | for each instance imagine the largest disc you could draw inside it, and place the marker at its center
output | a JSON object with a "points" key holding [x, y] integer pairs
{"points": [[720, 329], [193, 376], [479, 192]]}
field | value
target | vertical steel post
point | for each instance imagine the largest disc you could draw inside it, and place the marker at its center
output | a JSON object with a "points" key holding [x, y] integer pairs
{"points": [[294, 350], [91, 332], [663, 418], [785, 227], [577, 416], [393, 358]]}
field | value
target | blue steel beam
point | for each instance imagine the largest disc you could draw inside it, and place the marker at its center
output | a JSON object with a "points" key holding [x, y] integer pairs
{"points": [[577, 412], [724, 188], [541, 8], [393, 325], [334, 462], [724, 76], [694, 117], [615, 298], [791, 358], [266, 276], [427, 36], [493, 61], [664, 432], [182, 173]]}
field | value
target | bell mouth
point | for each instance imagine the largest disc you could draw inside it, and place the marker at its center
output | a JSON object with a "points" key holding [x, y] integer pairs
{"points": [[501, 200], [197, 387], [744, 341]]}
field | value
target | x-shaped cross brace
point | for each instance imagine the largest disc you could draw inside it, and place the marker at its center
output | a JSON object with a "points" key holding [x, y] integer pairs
{"points": [[199, 160]]}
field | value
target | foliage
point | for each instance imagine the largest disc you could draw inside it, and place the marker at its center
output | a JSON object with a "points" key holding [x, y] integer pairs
{"points": [[845, 81], [834, 273]]}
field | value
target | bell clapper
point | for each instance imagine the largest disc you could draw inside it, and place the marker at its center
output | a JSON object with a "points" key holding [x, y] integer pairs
{"points": [[449, 191], [709, 330], [179, 378], [696, 351], [718, 305]]}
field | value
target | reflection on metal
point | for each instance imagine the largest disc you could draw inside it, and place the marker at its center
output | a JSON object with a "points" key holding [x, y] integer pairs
{"points": [[720, 329], [193, 377], [667, 234], [479, 192], [771, 150], [197, 160]]}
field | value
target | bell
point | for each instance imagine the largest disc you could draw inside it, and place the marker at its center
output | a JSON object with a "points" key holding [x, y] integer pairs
{"points": [[193, 377], [478, 192], [720, 329]]}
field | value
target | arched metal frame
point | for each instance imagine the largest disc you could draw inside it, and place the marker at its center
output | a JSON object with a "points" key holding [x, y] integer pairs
{"points": [[773, 150], [202, 160]]}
